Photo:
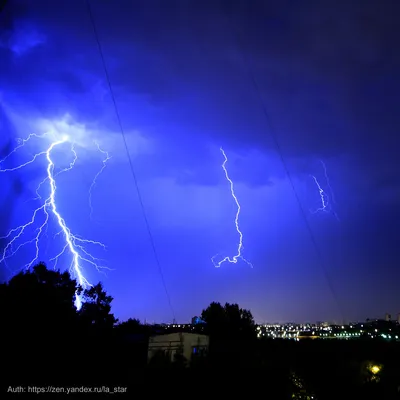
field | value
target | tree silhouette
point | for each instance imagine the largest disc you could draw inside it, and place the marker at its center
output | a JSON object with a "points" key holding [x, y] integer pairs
{"points": [[161, 359], [132, 326], [96, 309], [39, 300], [39, 321], [179, 360], [228, 321]]}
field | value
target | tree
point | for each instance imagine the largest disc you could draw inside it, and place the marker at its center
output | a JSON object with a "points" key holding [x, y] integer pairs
{"points": [[42, 302], [179, 360], [96, 309], [228, 321], [133, 327], [40, 323], [130, 326], [232, 336], [161, 359], [39, 301]]}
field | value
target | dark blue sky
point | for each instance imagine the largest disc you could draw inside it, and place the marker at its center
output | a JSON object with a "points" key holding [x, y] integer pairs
{"points": [[181, 73]]}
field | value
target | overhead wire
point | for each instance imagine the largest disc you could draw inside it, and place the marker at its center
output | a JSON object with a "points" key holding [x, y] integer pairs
{"points": [[278, 147], [140, 198]]}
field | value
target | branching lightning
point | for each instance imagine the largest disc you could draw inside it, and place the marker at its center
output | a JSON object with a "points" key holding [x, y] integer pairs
{"points": [[328, 181], [105, 161], [325, 199], [73, 245], [238, 256]]}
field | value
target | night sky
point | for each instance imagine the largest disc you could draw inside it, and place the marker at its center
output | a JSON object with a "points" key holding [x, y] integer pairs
{"points": [[188, 77]]}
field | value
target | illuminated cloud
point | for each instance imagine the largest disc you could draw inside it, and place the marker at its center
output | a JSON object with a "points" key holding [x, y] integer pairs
{"points": [[22, 39]]}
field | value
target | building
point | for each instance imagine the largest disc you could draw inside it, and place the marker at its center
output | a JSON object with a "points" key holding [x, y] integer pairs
{"points": [[178, 343], [388, 317]]}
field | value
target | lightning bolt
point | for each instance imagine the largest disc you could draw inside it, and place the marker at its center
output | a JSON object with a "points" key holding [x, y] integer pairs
{"points": [[328, 181], [238, 256], [73, 245], [324, 197], [105, 160]]}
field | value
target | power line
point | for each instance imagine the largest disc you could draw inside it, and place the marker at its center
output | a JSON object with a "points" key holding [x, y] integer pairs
{"points": [[151, 238], [287, 171]]}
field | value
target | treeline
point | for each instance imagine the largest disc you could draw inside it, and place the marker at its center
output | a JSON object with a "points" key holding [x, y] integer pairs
{"points": [[45, 339]]}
